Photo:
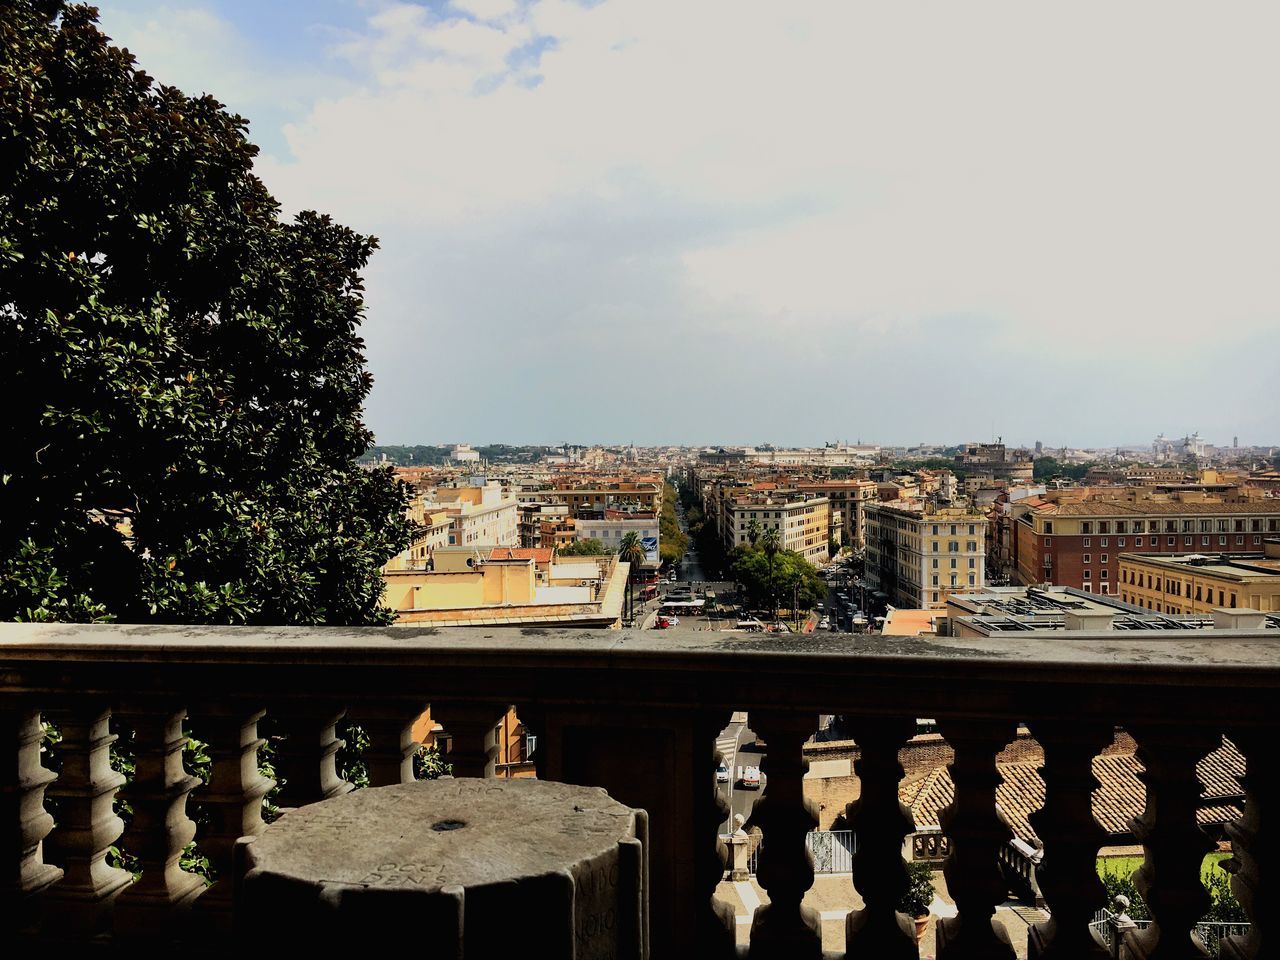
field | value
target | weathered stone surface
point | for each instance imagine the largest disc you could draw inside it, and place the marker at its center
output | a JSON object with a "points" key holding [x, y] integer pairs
{"points": [[485, 868]]}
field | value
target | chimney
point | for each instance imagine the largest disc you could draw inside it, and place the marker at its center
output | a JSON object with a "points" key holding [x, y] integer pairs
{"points": [[1089, 619], [1238, 618]]}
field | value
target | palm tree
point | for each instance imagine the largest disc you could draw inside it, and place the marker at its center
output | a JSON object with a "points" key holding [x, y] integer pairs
{"points": [[753, 532], [772, 543], [631, 550]]}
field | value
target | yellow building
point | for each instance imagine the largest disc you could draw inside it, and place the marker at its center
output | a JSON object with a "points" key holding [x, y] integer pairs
{"points": [[482, 516], [918, 553], [508, 585], [1199, 583], [803, 521]]}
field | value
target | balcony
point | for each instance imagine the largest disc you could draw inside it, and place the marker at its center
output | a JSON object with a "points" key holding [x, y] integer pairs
{"points": [[638, 714]]}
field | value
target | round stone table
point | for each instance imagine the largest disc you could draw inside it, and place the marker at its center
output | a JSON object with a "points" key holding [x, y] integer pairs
{"points": [[481, 868]]}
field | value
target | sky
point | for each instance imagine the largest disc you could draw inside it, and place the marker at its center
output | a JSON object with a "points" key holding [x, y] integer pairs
{"points": [[737, 221]]}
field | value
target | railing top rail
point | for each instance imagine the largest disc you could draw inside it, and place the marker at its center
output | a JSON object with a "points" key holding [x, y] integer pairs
{"points": [[1250, 653]]}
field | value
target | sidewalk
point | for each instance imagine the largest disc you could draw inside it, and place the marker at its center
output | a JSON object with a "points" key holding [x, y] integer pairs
{"points": [[833, 897]]}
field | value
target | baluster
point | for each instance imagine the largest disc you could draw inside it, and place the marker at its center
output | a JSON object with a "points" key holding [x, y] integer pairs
{"points": [[233, 801], [1068, 872], [306, 762], [161, 829], [784, 927], [87, 826], [27, 822], [717, 928], [977, 833], [880, 822], [1169, 878], [1254, 846], [473, 749], [389, 755]]}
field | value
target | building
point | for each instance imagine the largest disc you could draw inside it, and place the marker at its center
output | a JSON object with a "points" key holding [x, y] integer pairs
{"points": [[611, 531], [1075, 538], [495, 586], [918, 552], [480, 515], [803, 521], [587, 495], [1191, 583], [463, 453], [995, 459], [848, 498]]}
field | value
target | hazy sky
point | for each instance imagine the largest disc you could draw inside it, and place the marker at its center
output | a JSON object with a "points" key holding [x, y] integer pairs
{"points": [[738, 221]]}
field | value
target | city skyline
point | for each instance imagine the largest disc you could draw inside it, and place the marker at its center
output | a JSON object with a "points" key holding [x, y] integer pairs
{"points": [[665, 223]]}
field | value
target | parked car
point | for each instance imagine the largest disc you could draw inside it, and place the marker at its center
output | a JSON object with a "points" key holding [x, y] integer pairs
{"points": [[751, 778], [722, 774], [824, 622]]}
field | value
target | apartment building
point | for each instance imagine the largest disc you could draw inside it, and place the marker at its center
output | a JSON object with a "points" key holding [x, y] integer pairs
{"points": [[482, 515], [804, 521], [848, 498], [1200, 583], [919, 553], [1075, 538], [611, 531], [597, 494]]}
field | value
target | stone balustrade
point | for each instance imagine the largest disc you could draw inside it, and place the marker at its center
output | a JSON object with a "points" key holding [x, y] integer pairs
{"points": [[636, 713]]}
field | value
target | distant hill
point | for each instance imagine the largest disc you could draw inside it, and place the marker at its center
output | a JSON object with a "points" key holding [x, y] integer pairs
{"points": [[428, 456]]}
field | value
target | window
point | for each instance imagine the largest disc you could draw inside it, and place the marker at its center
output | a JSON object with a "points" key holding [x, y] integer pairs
{"points": [[1087, 558], [1104, 526], [1239, 539], [935, 529], [1120, 541], [971, 583], [935, 548], [953, 529], [935, 579], [1222, 541], [1102, 542], [1173, 541], [1088, 575], [974, 529], [1104, 574], [1257, 541], [1047, 541], [1204, 541], [1048, 527], [973, 564], [1122, 526], [1222, 526], [1087, 542], [953, 563], [1103, 558], [1187, 541], [935, 563], [1086, 527], [1137, 541]]}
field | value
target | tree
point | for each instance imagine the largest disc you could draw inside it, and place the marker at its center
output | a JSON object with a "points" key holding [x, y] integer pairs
{"points": [[791, 572], [631, 550], [771, 543], [590, 547], [184, 376], [753, 532]]}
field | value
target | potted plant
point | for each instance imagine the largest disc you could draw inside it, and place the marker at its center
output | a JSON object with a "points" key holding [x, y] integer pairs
{"points": [[915, 902]]}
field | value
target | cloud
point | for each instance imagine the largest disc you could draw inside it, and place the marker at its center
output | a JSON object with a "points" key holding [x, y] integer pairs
{"points": [[749, 191]]}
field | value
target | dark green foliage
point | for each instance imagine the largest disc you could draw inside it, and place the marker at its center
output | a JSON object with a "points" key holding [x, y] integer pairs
{"points": [[1118, 884], [750, 567], [182, 372], [1047, 468], [672, 541], [915, 902], [591, 547]]}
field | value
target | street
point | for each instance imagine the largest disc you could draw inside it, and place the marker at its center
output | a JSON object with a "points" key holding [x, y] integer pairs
{"points": [[737, 743]]}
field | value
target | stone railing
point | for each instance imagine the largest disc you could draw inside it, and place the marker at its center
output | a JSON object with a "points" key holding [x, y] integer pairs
{"points": [[637, 714]]}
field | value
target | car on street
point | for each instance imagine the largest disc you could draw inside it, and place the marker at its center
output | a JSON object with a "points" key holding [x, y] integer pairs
{"points": [[824, 622], [751, 778], [722, 774]]}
